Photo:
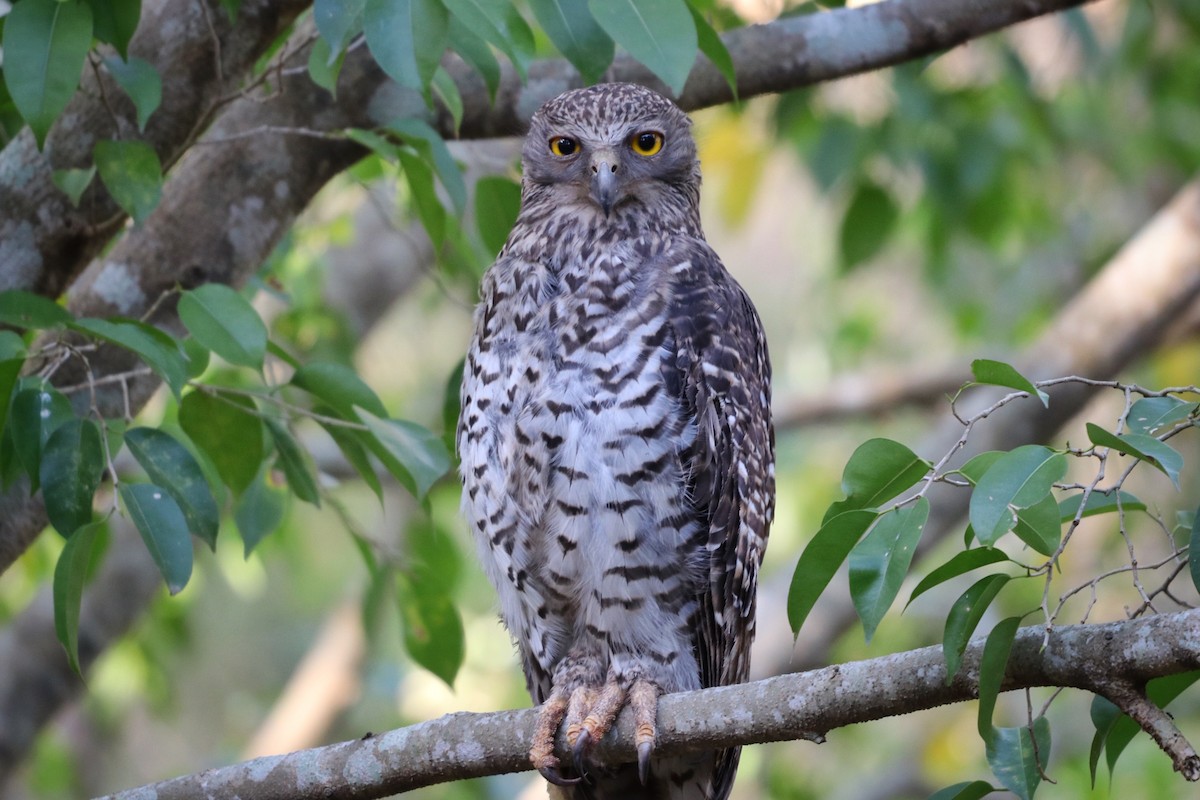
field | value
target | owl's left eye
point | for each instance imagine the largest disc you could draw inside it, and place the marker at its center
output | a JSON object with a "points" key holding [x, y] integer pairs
{"points": [[646, 143], [563, 146]]}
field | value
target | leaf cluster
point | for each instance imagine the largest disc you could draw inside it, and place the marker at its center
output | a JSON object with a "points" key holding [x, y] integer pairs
{"points": [[1019, 505], [234, 447]]}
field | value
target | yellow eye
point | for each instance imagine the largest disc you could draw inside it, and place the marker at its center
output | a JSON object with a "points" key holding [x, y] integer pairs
{"points": [[646, 143], [563, 146]]}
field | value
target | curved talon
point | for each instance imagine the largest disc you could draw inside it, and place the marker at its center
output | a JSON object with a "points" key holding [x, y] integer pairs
{"points": [[551, 774], [644, 749], [580, 750]]}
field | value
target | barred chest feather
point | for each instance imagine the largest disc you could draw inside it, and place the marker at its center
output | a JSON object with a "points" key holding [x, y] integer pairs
{"points": [[573, 446]]}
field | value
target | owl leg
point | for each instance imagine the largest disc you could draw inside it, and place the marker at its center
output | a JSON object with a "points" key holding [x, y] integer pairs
{"points": [[541, 753], [642, 699]]}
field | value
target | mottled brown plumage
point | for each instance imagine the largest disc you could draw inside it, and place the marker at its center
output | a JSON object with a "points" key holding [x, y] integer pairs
{"points": [[616, 441]]}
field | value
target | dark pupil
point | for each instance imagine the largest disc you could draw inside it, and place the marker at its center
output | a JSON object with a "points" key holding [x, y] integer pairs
{"points": [[566, 146], [646, 141]]}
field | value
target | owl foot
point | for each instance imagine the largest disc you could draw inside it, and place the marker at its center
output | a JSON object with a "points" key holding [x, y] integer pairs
{"points": [[541, 753], [601, 713]]}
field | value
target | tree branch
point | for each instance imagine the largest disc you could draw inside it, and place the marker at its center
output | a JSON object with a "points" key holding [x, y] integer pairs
{"points": [[799, 706], [44, 240], [1098, 333]]}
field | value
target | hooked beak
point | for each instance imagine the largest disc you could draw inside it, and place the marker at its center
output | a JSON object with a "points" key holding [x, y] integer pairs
{"points": [[605, 185]]}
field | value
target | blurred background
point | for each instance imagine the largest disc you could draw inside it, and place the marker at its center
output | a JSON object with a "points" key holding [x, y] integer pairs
{"points": [[890, 228]]}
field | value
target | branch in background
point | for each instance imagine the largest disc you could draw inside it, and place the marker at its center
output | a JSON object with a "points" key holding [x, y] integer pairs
{"points": [[870, 394], [1098, 658], [45, 240], [1099, 333]]}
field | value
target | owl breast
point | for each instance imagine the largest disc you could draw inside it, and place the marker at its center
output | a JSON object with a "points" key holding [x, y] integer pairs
{"points": [[576, 414]]}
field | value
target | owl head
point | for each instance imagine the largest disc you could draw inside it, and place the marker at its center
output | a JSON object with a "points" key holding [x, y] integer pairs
{"points": [[610, 148]]}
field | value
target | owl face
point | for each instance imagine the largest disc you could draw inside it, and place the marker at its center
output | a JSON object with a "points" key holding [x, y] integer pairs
{"points": [[611, 147]]}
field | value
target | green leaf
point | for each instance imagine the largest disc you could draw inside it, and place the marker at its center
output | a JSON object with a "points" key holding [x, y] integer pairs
{"points": [[70, 471], [70, 575], [12, 359], [1018, 479], [433, 630], [27, 310], [141, 82], [415, 455], [197, 357], [447, 91], [225, 322], [658, 33], [259, 511], [337, 21], [867, 224], [451, 403], [967, 790], [1104, 716], [575, 33], [476, 15], [339, 387], [433, 559], [228, 429], [1151, 414], [517, 37], [712, 47], [73, 182], [1014, 755], [116, 21], [821, 559], [1040, 526], [497, 203], [36, 412], [294, 462], [978, 466], [164, 530], [170, 465], [1099, 502], [997, 373], [477, 53], [132, 174], [1194, 550], [960, 564], [417, 134], [419, 177], [877, 471], [324, 66], [1145, 448], [964, 617], [991, 670], [407, 38], [159, 351], [44, 44], [353, 445], [880, 561]]}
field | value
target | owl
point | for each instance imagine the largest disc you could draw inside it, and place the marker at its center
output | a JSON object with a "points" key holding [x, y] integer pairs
{"points": [[617, 454]]}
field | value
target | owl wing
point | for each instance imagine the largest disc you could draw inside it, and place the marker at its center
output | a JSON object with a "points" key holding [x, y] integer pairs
{"points": [[724, 384], [722, 376]]}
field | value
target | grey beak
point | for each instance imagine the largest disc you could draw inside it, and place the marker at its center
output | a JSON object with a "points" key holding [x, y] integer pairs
{"points": [[605, 186]]}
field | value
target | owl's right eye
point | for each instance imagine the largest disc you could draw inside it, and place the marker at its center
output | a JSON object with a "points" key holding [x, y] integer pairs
{"points": [[563, 146]]}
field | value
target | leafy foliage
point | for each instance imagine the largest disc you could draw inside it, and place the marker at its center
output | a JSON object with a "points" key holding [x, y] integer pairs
{"points": [[66, 450], [956, 169], [1015, 492]]}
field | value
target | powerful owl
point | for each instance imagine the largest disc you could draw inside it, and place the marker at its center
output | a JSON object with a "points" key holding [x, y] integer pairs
{"points": [[616, 441]]}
